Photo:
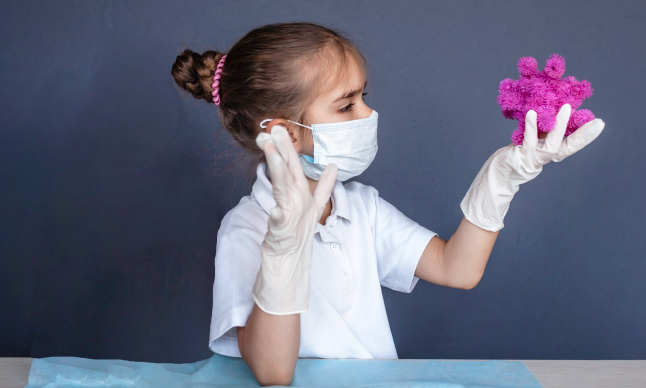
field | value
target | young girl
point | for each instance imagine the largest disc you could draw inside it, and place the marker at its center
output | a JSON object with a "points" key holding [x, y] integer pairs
{"points": [[301, 260]]}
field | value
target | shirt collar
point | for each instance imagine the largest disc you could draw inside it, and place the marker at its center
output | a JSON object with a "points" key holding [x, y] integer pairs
{"points": [[263, 191]]}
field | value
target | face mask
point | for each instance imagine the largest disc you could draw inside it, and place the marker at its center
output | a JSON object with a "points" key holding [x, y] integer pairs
{"points": [[351, 145]]}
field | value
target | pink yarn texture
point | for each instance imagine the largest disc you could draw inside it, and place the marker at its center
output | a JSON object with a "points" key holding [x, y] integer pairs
{"points": [[545, 92]]}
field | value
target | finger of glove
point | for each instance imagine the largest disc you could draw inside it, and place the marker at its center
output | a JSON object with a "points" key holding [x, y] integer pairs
{"points": [[280, 176], [530, 138], [554, 138], [579, 139], [261, 139], [286, 149], [324, 187]]}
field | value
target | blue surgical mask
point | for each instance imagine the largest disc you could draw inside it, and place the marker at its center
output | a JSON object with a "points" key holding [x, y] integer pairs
{"points": [[351, 145]]}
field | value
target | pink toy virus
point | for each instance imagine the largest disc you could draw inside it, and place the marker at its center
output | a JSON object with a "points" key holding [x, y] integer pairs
{"points": [[544, 92]]}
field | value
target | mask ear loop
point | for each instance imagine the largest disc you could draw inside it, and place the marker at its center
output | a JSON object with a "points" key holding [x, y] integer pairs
{"points": [[300, 124], [264, 121]]}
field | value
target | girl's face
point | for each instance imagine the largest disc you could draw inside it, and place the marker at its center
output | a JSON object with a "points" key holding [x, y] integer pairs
{"points": [[342, 102]]}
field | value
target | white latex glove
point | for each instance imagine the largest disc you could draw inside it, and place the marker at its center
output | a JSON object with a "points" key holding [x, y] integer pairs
{"points": [[283, 282], [487, 201]]}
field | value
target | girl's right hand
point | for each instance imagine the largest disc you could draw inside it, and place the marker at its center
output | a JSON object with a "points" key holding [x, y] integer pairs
{"points": [[283, 281], [487, 201]]}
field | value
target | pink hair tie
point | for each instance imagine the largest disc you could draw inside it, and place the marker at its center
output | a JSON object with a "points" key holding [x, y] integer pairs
{"points": [[216, 81]]}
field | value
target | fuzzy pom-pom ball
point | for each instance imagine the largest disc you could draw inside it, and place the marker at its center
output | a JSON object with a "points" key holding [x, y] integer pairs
{"points": [[545, 92]]}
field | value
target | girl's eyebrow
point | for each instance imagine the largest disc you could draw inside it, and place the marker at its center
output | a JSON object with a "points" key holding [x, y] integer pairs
{"points": [[350, 93]]}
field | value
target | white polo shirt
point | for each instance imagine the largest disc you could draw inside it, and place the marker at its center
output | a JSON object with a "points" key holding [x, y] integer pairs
{"points": [[365, 243]]}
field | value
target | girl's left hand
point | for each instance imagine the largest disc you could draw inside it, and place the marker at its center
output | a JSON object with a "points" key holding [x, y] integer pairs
{"points": [[487, 201]]}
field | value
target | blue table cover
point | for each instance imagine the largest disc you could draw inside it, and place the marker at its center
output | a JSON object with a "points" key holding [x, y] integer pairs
{"points": [[223, 371]]}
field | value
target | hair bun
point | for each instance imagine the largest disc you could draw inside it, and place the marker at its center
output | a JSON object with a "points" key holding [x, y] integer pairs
{"points": [[194, 72]]}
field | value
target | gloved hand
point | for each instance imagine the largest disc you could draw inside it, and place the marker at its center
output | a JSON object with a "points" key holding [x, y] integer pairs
{"points": [[283, 282], [487, 201]]}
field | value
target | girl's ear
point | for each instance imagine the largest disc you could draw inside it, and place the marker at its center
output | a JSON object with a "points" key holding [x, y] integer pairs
{"points": [[294, 133]]}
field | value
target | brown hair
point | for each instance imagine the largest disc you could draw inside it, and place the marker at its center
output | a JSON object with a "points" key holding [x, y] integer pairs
{"points": [[274, 71]]}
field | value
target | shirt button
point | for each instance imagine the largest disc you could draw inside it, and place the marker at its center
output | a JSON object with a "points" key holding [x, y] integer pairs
{"points": [[334, 247]]}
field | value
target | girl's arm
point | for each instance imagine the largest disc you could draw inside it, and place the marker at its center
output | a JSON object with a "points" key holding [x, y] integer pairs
{"points": [[269, 346], [459, 262], [270, 341]]}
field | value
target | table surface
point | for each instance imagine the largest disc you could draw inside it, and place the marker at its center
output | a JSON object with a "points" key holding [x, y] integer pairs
{"points": [[550, 373]]}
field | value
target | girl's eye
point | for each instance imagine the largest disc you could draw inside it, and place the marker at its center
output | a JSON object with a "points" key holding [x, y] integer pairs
{"points": [[346, 108]]}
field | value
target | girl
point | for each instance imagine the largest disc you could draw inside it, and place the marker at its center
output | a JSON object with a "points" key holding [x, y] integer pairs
{"points": [[300, 261]]}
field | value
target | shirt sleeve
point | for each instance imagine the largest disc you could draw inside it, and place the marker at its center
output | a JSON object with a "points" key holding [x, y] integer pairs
{"points": [[237, 262], [399, 243]]}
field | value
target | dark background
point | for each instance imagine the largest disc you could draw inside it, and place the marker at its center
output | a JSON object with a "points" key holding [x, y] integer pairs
{"points": [[111, 197]]}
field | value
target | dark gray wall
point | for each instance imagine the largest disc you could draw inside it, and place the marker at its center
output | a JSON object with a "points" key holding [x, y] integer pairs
{"points": [[110, 204]]}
